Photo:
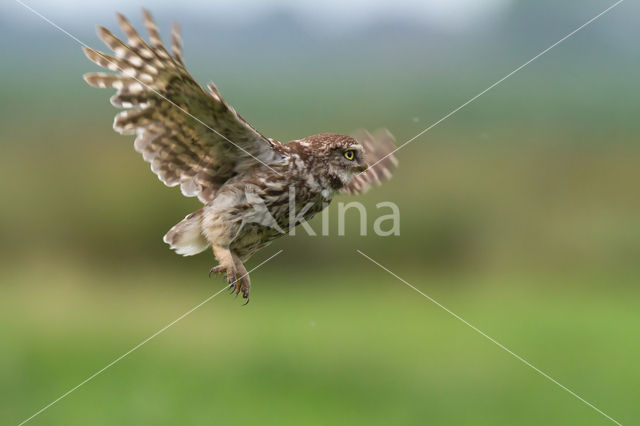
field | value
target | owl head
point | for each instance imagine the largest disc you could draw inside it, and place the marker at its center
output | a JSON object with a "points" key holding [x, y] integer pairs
{"points": [[341, 156]]}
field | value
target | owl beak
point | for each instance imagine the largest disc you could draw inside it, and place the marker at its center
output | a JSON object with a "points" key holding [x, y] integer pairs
{"points": [[363, 169]]}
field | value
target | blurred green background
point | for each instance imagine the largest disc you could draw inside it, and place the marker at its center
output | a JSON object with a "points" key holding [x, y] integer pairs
{"points": [[520, 213]]}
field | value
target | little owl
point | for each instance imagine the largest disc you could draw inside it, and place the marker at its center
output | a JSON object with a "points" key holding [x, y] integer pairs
{"points": [[194, 139]]}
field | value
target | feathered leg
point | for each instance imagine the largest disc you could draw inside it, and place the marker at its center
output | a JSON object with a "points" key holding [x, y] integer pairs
{"points": [[244, 283], [226, 265], [231, 265]]}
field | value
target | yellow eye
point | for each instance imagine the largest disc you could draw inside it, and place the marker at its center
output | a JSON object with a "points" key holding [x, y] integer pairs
{"points": [[349, 155]]}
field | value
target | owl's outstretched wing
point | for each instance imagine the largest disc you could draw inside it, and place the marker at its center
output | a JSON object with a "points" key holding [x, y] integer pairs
{"points": [[378, 149], [191, 137]]}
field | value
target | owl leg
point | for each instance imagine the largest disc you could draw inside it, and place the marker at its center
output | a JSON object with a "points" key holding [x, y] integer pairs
{"points": [[226, 265], [244, 283]]}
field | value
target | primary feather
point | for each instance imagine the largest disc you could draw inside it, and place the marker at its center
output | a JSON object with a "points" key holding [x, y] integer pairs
{"points": [[191, 137]]}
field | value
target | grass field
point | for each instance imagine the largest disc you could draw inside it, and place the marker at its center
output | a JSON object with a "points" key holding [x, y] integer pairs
{"points": [[337, 349]]}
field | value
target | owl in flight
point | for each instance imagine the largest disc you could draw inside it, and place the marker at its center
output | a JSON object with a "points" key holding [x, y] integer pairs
{"points": [[253, 188]]}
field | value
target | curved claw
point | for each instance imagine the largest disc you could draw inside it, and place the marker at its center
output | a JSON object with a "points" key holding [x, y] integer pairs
{"points": [[216, 270], [236, 285]]}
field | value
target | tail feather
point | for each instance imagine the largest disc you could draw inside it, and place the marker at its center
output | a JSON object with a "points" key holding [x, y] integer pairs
{"points": [[186, 237]]}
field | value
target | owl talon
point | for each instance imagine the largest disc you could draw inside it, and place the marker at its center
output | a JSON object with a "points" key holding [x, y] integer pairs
{"points": [[242, 286], [216, 270], [236, 274], [233, 285]]}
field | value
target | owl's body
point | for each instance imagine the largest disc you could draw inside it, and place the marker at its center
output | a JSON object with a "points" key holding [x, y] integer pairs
{"points": [[254, 189], [251, 210]]}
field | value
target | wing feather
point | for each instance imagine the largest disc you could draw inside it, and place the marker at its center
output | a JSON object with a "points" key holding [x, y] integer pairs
{"points": [[154, 35], [190, 137], [176, 42]]}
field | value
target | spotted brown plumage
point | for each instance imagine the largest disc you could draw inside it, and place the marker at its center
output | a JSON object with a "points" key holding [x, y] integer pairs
{"points": [[249, 184]]}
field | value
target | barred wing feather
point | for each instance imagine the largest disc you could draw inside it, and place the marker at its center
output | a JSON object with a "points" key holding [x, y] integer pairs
{"points": [[190, 137]]}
